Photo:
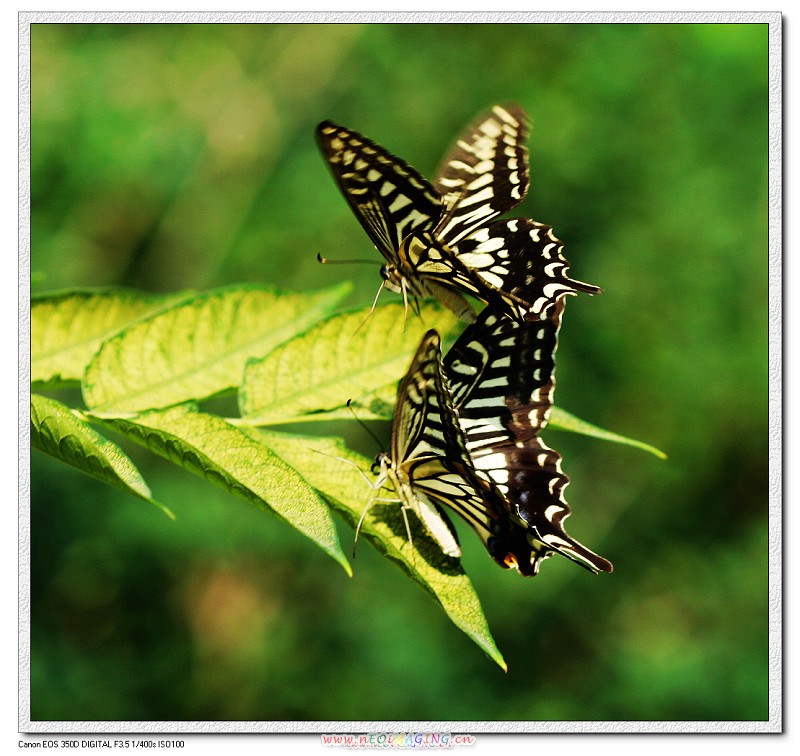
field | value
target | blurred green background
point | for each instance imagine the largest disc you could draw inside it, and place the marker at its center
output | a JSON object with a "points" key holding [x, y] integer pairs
{"points": [[166, 157]]}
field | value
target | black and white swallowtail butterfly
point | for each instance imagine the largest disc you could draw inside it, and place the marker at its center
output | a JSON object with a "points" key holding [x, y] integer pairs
{"points": [[429, 466], [438, 240]]}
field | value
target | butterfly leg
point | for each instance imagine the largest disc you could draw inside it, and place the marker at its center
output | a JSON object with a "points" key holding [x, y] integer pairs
{"points": [[371, 309], [404, 289], [415, 306], [373, 499], [347, 462], [404, 509]]}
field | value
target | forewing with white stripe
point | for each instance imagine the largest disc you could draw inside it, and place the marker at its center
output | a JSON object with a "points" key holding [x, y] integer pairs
{"points": [[485, 173], [502, 377], [390, 198], [442, 241]]}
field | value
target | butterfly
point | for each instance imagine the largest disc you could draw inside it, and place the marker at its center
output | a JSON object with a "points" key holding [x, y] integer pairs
{"points": [[501, 376], [429, 466], [437, 238]]}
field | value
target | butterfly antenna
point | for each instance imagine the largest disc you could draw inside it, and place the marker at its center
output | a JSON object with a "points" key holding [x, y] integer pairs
{"points": [[328, 261], [364, 426], [347, 462]]}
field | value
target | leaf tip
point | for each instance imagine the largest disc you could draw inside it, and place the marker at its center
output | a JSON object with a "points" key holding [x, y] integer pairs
{"points": [[655, 451], [166, 510], [338, 555]]}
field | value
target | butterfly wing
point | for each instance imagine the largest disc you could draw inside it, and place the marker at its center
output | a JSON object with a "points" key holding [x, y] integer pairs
{"points": [[485, 172], [502, 376], [515, 265], [520, 266], [439, 265], [390, 199], [531, 479]]}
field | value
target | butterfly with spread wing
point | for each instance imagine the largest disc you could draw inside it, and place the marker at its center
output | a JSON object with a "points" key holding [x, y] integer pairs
{"points": [[437, 239], [501, 376], [429, 466]]}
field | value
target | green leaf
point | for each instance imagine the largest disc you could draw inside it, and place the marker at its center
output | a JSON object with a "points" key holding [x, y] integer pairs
{"points": [[562, 420], [56, 431], [67, 328], [198, 348], [223, 454], [354, 356], [333, 469]]}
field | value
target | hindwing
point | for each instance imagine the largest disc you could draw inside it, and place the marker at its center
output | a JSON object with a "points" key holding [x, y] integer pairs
{"points": [[502, 378], [531, 479], [520, 267]]}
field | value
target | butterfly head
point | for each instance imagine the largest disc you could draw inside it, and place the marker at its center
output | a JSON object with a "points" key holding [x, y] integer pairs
{"points": [[380, 464], [392, 277]]}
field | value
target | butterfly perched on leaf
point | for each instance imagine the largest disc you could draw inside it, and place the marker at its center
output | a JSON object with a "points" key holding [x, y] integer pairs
{"points": [[501, 377], [429, 467], [443, 239]]}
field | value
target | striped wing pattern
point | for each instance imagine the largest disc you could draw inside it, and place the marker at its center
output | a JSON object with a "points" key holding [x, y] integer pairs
{"points": [[531, 479], [430, 466], [485, 173], [466, 430], [390, 198], [502, 378], [520, 265], [501, 372]]}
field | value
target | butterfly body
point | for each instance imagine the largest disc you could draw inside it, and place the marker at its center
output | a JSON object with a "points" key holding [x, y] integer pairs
{"points": [[399, 477]]}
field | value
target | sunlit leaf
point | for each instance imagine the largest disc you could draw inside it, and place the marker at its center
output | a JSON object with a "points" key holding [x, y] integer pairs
{"points": [[562, 420], [56, 431], [223, 454], [198, 348], [67, 328], [333, 469], [354, 356]]}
